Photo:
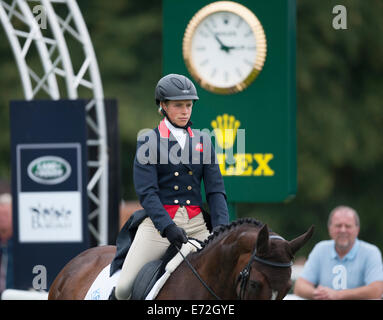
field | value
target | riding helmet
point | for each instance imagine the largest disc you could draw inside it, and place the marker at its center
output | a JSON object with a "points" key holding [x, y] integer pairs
{"points": [[175, 87]]}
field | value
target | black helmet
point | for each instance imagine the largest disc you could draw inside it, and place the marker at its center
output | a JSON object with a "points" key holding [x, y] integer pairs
{"points": [[175, 87]]}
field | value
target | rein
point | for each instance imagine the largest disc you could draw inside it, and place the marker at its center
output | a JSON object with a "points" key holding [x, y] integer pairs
{"points": [[244, 274], [196, 273]]}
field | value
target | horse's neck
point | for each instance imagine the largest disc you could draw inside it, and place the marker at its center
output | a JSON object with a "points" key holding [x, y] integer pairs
{"points": [[216, 257]]}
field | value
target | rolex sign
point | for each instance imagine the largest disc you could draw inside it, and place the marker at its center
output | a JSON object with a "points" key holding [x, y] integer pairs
{"points": [[241, 57]]}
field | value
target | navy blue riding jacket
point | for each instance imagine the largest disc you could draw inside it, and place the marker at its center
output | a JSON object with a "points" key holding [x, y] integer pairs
{"points": [[166, 174]]}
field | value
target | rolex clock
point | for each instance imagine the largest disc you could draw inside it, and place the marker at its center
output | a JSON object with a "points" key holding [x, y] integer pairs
{"points": [[224, 47]]}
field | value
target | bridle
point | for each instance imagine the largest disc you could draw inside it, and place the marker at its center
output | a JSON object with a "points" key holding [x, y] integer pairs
{"points": [[245, 273]]}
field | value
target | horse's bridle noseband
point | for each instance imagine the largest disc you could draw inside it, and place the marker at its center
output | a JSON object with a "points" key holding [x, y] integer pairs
{"points": [[245, 273]]}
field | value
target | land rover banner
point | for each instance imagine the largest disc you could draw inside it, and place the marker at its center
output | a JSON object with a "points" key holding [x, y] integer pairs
{"points": [[49, 154], [46, 215]]}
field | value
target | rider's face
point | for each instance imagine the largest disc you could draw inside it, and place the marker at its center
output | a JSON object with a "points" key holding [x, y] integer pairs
{"points": [[178, 111]]}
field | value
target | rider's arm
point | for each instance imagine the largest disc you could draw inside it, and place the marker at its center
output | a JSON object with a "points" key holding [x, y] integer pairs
{"points": [[146, 181]]}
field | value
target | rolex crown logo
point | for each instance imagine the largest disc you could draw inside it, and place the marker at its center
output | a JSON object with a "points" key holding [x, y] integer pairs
{"points": [[225, 130]]}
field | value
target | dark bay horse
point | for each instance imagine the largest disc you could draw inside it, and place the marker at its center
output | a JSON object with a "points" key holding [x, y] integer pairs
{"points": [[243, 260]]}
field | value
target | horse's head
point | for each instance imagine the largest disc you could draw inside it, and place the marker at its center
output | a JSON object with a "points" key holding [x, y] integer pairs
{"points": [[265, 269]]}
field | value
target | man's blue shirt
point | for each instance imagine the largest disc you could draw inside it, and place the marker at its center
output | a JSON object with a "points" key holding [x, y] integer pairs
{"points": [[361, 266]]}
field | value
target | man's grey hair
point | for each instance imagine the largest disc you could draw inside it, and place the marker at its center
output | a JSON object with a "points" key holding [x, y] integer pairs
{"points": [[338, 208]]}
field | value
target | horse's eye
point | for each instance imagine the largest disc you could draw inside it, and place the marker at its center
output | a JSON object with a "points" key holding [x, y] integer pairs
{"points": [[255, 285]]}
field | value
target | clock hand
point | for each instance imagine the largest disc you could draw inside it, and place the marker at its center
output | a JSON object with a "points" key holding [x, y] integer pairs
{"points": [[222, 46], [236, 47], [225, 47], [233, 47]]}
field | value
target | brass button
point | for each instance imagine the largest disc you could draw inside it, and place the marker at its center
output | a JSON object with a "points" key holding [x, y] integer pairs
{"points": [[187, 201], [189, 187], [176, 173], [190, 172], [176, 201], [176, 187]]}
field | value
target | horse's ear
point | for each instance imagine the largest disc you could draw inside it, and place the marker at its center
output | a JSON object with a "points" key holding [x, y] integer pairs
{"points": [[300, 241], [263, 240]]}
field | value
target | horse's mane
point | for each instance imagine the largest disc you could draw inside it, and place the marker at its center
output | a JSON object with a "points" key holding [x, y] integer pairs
{"points": [[234, 224]]}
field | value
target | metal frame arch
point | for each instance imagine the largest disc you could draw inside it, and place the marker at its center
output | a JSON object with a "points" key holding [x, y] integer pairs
{"points": [[17, 51], [62, 47], [97, 186], [99, 104], [43, 52]]}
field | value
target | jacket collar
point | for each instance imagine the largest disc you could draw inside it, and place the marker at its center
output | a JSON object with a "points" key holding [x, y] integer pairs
{"points": [[163, 129], [165, 132]]}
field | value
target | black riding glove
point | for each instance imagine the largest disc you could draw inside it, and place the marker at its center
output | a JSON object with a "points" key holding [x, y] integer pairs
{"points": [[175, 235]]}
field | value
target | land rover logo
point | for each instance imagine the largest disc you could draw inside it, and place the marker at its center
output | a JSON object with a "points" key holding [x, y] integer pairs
{"points": [[49, 170]]}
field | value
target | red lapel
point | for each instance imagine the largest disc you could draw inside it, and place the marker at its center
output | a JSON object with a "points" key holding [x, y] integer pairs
{"points": [[163, 129]]}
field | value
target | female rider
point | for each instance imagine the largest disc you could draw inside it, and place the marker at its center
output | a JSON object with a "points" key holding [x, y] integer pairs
{"points": [[170, 163]]}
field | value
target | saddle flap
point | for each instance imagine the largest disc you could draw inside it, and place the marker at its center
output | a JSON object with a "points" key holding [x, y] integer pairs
{"points": [[154, 274], [146, 279]]}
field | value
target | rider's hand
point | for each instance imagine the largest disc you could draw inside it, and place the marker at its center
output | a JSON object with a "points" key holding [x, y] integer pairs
{"points": [[175, 235]]}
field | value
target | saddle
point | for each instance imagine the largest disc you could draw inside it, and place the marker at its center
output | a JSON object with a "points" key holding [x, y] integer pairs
{"points": [[148, 276], [150, 273], [153, 275], [149, 280]]}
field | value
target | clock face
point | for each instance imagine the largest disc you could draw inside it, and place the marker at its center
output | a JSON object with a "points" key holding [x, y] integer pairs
{"points": [[224, 47]]}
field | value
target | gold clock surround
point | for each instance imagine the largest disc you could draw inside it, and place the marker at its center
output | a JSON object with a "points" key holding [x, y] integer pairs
{"points": [[257, 29]]}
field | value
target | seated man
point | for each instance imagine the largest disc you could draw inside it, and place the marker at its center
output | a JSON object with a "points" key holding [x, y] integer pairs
{"points": [[344, 267]]}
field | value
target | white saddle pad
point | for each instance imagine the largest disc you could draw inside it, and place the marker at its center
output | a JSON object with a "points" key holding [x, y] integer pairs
{"points": [[103, 285]]}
